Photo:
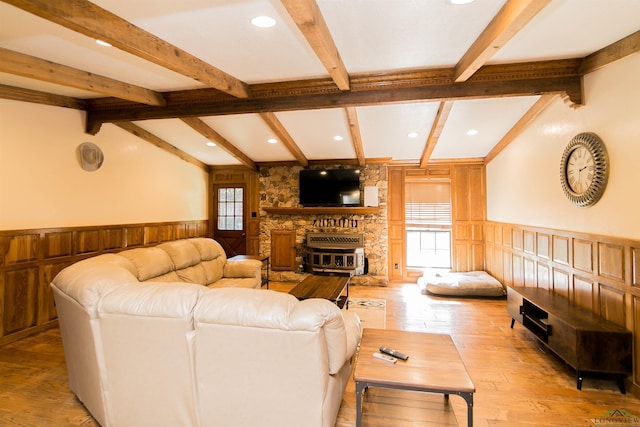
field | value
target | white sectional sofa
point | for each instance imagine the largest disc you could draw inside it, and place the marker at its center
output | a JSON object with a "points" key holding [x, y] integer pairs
{"points": [[149, 345]]}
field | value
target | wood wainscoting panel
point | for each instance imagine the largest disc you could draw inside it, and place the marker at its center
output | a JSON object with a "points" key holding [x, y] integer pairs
{"points": [[87, 241], [498, 235], [517, 240], [463, 231], [583, 255], [611, 261], [19, 248], [517, 263], [30, 259], [396, 231], [489, 232], [477, 232], [529, 272], [544, 275], [635, 266], [20, 302], [529, 241], [58, 244], [135, 236], [112, 238], [543, 245], [561, 283], [612, 305], [506, 237], [560, 249], [584, 292], [506, 267], [158, 233]]}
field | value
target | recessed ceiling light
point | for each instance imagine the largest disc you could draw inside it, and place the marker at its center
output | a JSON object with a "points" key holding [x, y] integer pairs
{"points": [[472, 132], [460, 1], [103, 43], [338, 138], [263, 22], [211, 144], [412, 134], [272, 141]]}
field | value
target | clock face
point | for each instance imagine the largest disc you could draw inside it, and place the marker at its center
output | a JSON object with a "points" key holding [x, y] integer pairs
{"points": [[580, 170], [584, 169]]}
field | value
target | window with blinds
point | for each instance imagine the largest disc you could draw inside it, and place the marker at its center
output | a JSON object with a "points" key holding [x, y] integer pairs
{"points": [[428, 204], [428, 223]]}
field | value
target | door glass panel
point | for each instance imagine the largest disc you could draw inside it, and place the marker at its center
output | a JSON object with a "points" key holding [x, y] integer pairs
{"points": [[231, 209]]}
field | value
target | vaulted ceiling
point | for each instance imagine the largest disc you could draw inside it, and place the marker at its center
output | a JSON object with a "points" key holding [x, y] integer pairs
{"points": [[399, 81]]}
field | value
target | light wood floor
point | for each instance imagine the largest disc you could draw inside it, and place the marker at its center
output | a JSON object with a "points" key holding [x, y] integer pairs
{"points": [[517, 383]]}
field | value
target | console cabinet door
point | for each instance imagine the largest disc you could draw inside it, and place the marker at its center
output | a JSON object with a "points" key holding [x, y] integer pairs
{"points": [[283, 250], [514, 302]]}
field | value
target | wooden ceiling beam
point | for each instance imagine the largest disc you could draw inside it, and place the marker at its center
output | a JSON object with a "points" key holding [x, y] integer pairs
{"points": [[513, 16], [93, 21], [205, 130], [520, 126], [281, 132], [39, 69], [614, 52], [37, 97], [570, 86], [160, 143], [438, 125], [308, 17], [356, 135]]}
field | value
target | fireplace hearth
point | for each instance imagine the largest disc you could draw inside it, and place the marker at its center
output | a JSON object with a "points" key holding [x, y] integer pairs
{"points": [[335, 253]]}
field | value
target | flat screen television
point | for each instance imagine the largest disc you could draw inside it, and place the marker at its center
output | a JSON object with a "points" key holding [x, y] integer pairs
{"points": [[330, 187]]}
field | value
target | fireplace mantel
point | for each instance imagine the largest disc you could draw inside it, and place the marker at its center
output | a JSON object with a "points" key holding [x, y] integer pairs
{"points": [[355, 210]]}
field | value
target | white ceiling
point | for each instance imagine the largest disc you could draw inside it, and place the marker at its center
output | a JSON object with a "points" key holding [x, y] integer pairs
{"points": [[372, 36]]}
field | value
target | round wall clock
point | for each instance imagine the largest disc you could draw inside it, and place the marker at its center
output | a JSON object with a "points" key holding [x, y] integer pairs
{"points": [[584, 169]]}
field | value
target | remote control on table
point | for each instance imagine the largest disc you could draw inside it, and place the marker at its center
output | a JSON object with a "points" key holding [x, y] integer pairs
{"points": [[394, 353], [385, 357]]}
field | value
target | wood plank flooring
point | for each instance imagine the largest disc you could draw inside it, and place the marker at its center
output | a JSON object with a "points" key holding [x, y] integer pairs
{"points": [[517, 383]]}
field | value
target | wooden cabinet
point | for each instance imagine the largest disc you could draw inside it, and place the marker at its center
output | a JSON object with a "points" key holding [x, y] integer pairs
{"points": [[586, 342], [283, 250]]}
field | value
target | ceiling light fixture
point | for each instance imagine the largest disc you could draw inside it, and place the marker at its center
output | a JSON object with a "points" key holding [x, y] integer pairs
{"points": [[211, 144], [472, 132], [460, 1], [263, 22], [412, 134], [272, 141], [338, 138], [103, 43]]}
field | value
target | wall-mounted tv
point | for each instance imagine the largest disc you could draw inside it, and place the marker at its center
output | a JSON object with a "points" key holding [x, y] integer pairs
{"points": [[330, 187]]}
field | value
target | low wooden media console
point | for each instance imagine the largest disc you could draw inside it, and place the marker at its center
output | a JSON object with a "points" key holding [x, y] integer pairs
{"points": [[585, 341]]}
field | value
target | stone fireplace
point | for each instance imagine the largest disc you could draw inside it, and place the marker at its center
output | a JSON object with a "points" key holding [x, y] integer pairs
{"points": [[279, 188]]}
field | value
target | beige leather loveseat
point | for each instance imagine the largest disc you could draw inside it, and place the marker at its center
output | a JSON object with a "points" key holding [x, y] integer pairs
{"points": [[166, 352]]}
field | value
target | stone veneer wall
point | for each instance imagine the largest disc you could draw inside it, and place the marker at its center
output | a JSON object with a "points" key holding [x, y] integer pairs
{"points": [[279, 187]]}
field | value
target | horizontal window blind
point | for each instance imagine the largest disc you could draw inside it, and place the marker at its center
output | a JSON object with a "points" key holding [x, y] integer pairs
{"points": [[427, 204]]}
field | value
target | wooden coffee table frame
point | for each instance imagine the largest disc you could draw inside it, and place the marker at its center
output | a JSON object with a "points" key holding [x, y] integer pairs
{"points": [[327, 287], [434, 366]]}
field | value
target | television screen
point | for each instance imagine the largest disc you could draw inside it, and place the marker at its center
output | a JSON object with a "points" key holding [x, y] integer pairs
{"points": [[330, 187]]}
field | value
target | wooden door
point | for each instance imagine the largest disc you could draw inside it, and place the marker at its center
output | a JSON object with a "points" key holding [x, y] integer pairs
{"points": [[283, 250], [230, 213]]}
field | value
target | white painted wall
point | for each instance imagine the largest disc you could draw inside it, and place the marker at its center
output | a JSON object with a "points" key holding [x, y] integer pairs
{"points": [[523, 182], [42, 184]]}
